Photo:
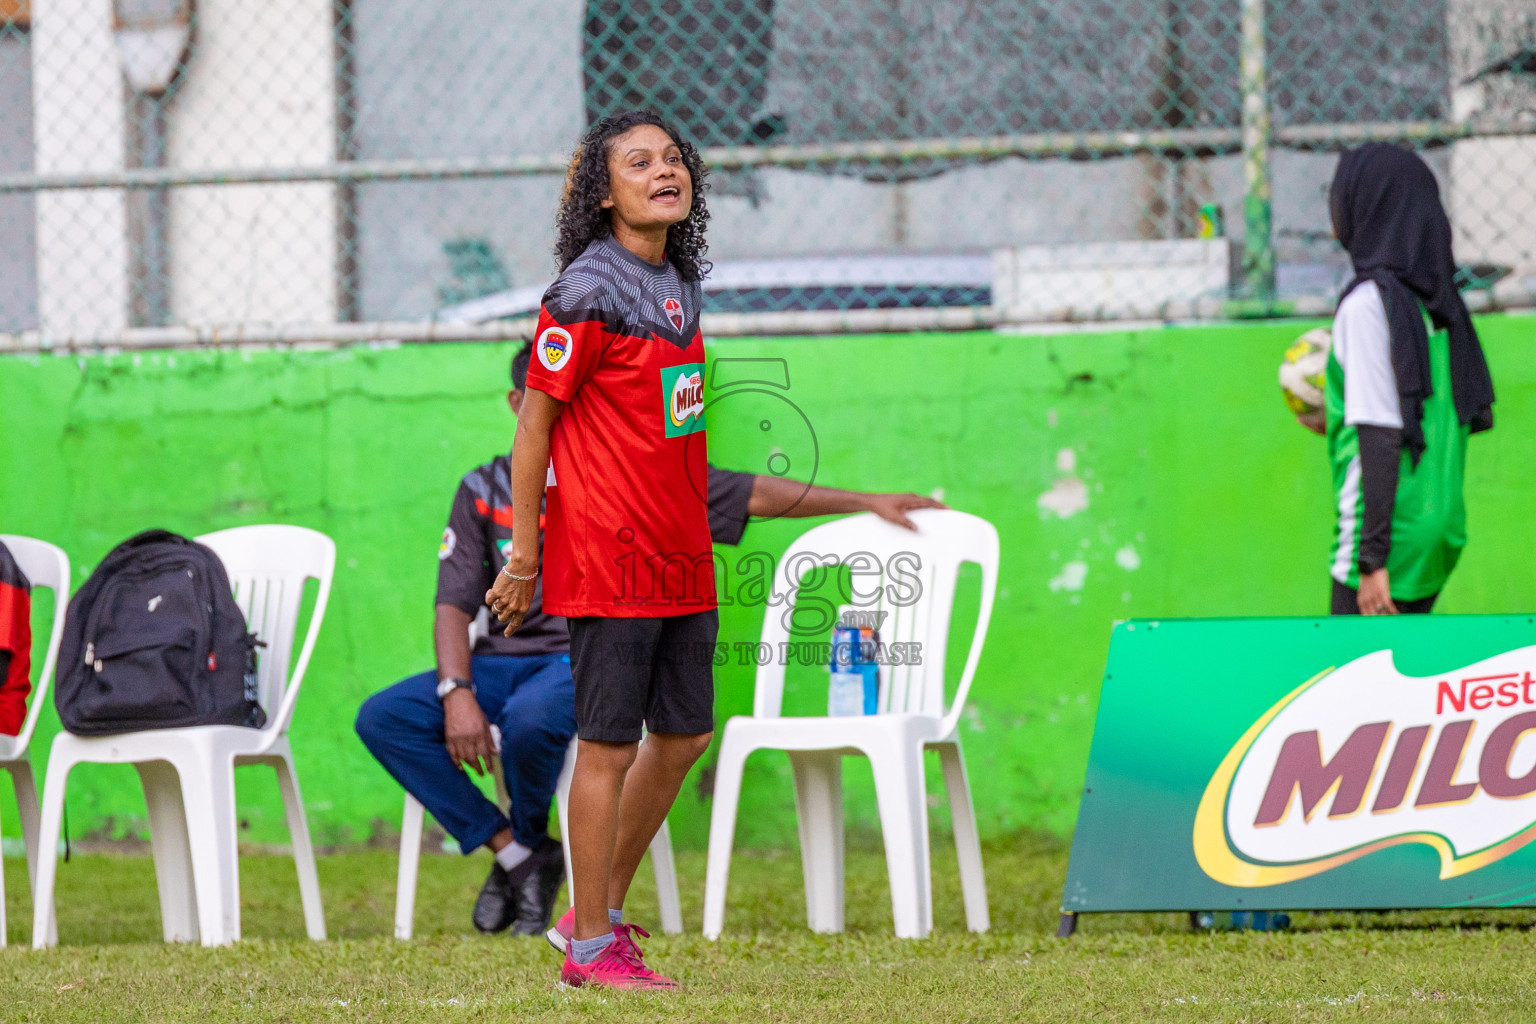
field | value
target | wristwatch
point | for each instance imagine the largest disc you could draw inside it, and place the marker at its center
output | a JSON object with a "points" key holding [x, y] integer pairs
{"points": [[448, 684]]}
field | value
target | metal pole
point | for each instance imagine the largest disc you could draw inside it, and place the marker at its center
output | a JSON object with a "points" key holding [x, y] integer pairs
{"points": [[1258, 214], [157, 264], [1183, 143]]}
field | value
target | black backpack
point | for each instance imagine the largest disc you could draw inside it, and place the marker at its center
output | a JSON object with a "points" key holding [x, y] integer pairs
{"points": [[154, 640]]}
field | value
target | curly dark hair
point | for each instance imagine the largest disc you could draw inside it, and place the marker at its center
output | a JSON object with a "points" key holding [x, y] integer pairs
{"points": [[582, 218]]}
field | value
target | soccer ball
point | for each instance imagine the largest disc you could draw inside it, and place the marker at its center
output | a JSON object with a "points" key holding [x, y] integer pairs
{"points": [[1304, 370]]}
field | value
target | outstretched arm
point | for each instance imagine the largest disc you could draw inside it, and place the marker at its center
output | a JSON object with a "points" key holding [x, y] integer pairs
{"points": [[778, 496]]}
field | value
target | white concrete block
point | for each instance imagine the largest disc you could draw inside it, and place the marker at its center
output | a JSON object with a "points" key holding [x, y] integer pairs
{"points": [[78, 126], [1109, 280]]}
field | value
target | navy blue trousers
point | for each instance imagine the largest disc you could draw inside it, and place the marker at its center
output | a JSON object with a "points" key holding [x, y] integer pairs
{"points": [[531, 700]]}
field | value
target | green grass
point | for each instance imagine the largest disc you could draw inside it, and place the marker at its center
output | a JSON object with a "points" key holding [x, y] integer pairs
{"points": [[112, 967]]}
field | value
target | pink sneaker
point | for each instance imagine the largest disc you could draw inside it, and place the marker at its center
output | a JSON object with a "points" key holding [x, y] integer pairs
{"points": [[560, 935], [619, 967], [624, 934]]}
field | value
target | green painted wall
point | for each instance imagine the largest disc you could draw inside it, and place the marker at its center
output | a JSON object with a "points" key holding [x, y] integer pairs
{"points": [[1202, 498]]}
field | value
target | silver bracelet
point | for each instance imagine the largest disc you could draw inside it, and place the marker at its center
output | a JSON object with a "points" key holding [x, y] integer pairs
{"points": [[520, 579]]}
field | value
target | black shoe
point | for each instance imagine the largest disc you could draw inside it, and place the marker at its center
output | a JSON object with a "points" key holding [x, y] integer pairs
{"points": [[536, 896], [495, 907]]}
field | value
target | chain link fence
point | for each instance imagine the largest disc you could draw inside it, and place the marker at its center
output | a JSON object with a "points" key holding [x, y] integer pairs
{"points": [[184, 171]]}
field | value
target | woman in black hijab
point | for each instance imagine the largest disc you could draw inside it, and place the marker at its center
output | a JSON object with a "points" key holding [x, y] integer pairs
{"points": [[1402, 396]]}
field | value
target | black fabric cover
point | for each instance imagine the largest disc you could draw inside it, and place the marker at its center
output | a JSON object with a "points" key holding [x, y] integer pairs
{"points": [[1387, 213], [1381, 457]]}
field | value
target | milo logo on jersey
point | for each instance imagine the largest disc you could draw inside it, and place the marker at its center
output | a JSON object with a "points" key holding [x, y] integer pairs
{"points": [[682, 391]]}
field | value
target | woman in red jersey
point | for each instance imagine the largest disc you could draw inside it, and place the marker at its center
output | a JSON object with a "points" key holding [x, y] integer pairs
{"points": [[613, 424]]}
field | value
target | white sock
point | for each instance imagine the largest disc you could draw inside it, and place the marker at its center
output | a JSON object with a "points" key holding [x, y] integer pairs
{"points": [[615, 916], [584, 951], [511, 855]]}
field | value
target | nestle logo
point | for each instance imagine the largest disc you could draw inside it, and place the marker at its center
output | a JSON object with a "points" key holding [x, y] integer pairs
{"points": [[1503, 691]]}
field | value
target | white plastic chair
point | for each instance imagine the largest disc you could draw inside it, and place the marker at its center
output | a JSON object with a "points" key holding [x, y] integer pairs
{"points": [[188, 774], [913, 717], [44, 566], [410, 855]]}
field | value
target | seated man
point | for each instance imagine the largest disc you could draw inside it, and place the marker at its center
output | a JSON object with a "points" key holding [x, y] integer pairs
{"points": [[15, 644], [426, 729]]}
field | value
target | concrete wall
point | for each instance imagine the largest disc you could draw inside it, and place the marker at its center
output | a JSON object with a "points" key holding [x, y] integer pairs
{"points": [[18, 257], [78, 125], [481, 77], [1153, 473], [476, 77], [259, 91], [463, 82], [1492, 198]]}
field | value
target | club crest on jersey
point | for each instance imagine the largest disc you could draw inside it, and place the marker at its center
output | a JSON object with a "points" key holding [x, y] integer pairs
{"points": [[554, 347], [674, 311], [682, 390]]}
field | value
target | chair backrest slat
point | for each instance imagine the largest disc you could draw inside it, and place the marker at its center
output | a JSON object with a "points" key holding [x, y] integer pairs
{"points": [[267, 567], [917, 574], [274, 620]]}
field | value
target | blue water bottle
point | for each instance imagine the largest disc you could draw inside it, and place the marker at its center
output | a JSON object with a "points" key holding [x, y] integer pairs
{"points": [[845, 692]]}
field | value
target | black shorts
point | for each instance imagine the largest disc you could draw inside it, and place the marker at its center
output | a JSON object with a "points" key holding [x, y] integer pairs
{"points": [[659, 672]]}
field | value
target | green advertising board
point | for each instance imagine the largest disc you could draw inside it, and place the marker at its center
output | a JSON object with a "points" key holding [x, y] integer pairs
{"points": [[1292, 764]]}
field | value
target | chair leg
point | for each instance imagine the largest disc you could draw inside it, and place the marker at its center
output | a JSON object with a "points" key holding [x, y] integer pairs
{"points": [[44, 931], [172, 850], [303, 849], [208, 791], [722, 833], [2, 895], [25, 784], [499, 774], [563, 809], [973, 879], [410, 862], [899, 791], [819, 805], [665, 867]]}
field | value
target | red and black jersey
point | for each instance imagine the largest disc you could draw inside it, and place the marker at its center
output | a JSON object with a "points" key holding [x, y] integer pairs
{"points": [[479, 532], [628, 533], [15, 644]]}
